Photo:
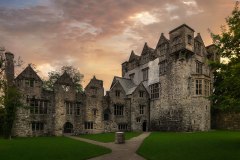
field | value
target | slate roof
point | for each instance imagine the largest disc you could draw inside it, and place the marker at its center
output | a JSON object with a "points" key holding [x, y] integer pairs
{"points": [[28, 73], [127, 84]]}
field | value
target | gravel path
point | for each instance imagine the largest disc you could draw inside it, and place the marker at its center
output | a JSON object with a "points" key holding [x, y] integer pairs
{"points": [[126, 151]]}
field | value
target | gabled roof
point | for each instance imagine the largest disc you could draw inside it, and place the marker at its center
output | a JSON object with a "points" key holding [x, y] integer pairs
{"points": [[199, 38], [64, 79], [133, 57], [28, 73], [146, 49], [141, 84], [127, 84], [162, 40], [94, 81]]}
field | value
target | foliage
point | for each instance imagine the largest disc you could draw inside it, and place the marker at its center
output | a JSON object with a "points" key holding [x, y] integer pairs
{"points": [[220, 145], [48, 148], [12, 100], [108, 137], [76, 76], [227, 76]]}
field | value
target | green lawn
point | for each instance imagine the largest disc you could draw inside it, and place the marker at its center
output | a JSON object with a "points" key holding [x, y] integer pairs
{"points": [[48, 148], [108, 137], [214, 145]]}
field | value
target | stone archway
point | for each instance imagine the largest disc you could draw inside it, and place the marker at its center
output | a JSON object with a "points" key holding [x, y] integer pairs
{"points": [[68, 128]]}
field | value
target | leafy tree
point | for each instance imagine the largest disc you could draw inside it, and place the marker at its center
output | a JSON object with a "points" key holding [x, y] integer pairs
{"points": [[10, 99], [74, 74], [227, 76]]}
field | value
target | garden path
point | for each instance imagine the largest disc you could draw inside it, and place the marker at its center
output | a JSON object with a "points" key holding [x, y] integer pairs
{"points": [[126, 151]]}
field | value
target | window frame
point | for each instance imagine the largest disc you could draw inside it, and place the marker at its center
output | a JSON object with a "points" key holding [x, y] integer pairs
{"points": [[155, 91]]}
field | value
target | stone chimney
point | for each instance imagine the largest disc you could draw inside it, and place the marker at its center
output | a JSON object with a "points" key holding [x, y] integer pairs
{"points": [[9, 67]]}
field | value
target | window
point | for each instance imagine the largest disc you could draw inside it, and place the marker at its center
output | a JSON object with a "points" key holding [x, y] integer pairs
{"points": [[162, 67], [78, 109], [38, 106], [37, 126], [141, 93], [43, 107], [117, 93], [131, 76], [138, 120], [198, 67], [118, 110], [207, 87], [176, 40], [145, 74], [141, 109], [198, 47], [88, 125], [94, 111], [189, 39], [69, 107], [122, 127], [198, 87], [154, 90], [29, 83], [106, 117]]}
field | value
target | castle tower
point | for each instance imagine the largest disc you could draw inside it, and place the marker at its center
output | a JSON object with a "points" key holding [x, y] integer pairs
{"points": [[9, 67], [94, 106], [181, 41], [65, 100]]}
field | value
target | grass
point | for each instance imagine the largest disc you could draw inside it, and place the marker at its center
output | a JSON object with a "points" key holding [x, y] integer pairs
{"points": [[48, 148], [214, 145], [108, 137]]}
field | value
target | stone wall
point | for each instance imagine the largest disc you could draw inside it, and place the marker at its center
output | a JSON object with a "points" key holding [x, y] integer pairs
{"points": [[229, 120]]}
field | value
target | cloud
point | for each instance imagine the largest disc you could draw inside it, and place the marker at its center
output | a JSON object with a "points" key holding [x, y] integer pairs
{"points": [[97, 36]]}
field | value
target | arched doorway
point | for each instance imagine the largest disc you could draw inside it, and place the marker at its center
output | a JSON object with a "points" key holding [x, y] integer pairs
{"points": [[68, 128], [144, 126]]}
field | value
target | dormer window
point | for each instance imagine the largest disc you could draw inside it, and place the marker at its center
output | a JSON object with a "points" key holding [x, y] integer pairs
{"points": [[189, 40]]}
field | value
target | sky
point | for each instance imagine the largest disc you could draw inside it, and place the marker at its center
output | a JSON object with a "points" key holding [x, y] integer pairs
{"points": [[97, 36]]}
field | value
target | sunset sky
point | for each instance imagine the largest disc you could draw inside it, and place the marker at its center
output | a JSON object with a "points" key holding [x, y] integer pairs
{"points": [[96, 36]]}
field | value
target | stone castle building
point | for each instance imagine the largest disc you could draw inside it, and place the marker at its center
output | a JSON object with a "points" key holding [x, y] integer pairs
{"points": [[163, 89]]}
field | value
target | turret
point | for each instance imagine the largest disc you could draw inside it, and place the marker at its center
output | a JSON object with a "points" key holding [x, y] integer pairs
{"points": [[9, 67], [182, 40]]}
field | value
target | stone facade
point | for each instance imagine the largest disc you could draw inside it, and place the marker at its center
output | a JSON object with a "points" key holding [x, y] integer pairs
{"points": [[164, 89]]}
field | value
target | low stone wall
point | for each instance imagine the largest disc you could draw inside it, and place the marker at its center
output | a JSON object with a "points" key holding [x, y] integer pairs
{"points": [[229, 121]]}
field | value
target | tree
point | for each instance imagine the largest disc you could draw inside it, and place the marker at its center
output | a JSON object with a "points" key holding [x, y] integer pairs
{"points": [[227, 75], [74, 74], [10, 99]]}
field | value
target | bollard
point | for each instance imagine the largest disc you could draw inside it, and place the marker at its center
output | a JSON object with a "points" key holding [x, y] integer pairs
{"points": [[119, 137]]}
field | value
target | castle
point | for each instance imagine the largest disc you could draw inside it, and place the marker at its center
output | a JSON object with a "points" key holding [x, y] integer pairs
{"points": [[163, 89]]}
